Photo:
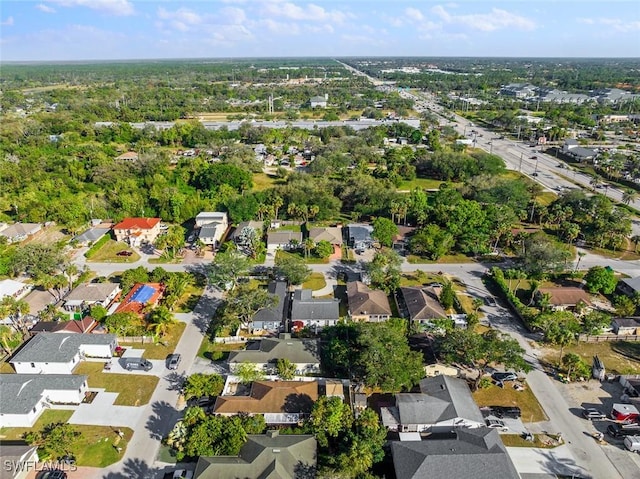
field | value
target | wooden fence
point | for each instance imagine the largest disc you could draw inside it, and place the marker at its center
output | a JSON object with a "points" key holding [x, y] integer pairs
{"points": [[608, 337], [137, 339]]}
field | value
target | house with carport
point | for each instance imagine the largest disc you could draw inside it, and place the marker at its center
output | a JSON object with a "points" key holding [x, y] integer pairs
{"points": [[25, 396], [60, 353]]}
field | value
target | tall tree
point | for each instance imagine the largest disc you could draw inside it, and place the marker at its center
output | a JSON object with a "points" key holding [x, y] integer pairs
{"points": [[292, 268], [227, 267], [384, 230]]}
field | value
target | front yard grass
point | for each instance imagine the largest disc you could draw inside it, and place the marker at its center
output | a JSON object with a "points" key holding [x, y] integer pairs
{"points": [[132, 389], [516, 440], [422, 183], [189, 299], [507, 396], [207, 347], [109, 253], [166, 345], [447, 259], [619, 357], [96, 446], [419, 278], [315, 282], [300, 255]]}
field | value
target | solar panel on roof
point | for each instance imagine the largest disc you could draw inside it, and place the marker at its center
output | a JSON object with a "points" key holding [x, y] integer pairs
{"points": [[143, 294]]}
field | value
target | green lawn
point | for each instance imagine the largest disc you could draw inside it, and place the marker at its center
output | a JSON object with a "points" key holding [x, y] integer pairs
{"points": [[516, 440], [132, 389], [422, 183], [619, 357], [507, 396], [207, 347], [96, 446], [315, 282], [189, 299], [300, 255], [418, 278], [447, 259], [108, 253], [262, 181], [166, 346]]}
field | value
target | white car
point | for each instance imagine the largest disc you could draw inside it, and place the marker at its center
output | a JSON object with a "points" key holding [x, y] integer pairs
{"points": [[182, 474], [496, 424]]}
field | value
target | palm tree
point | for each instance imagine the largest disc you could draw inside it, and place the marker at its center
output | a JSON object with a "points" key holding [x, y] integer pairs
{"points": [[581, 255], [629, 196], [15, 309], [6, 335], [276, 204], [160, 319], [308, 246], [595, 181]]}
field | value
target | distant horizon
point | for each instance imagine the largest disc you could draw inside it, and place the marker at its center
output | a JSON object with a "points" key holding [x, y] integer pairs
{"points": [[53, 31]]}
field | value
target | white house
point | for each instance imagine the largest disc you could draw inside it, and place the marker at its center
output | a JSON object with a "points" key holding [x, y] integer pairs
{"points": [[24, 396], [207, 217], [319, 101], [60, 353], [13, 288], [92, 294], [213, 226], [18, 460]]}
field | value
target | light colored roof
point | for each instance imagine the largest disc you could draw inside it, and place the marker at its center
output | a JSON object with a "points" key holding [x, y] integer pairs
{"points": [[92, 234], [129, 155], [58, 347], [332, 234], [9, 287], [92, 292], [569, 296], [256, 225], [271, 397], [264, 456], [137, 223], [20, 229], [21, 392], [422, 303], [284, 237], [363, 300], [212, 215], [298, 351], [633, 283]]}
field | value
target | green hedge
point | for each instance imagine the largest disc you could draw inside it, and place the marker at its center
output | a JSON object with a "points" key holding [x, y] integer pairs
{"points": [[527, 314], [96, 246]]}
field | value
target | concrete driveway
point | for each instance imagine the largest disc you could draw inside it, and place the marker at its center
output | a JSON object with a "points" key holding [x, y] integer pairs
{"points": [[102, 412], [557, 461]]}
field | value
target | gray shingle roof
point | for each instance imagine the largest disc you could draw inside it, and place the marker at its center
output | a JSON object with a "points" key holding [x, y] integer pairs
{"points": [[264, 456], [477, 453], [284, 237], [360, 232], [305, 307], [632, 283], [57, 347], [300, 351], [21, 392], [455, 391], [276, 313], [92, 292], [92, 234]]}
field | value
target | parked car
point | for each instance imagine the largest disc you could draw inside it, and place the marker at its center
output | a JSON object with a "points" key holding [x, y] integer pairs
{"points": [[124, 253], [182, 474], [173, 361], [512, 412], [496, 424], [52, 474], [618, 430], [535, 173], [592, 414], [502, 377], [138, 364], [632, 443], [490, 300]]}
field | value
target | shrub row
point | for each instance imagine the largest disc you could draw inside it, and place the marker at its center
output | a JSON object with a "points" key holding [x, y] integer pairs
{"points": [[527, 314], [96, 246]]}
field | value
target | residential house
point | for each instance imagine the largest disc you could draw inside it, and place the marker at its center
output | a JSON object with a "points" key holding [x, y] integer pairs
{"points": [[20, 458], [20, 231], [309, 312], [141, 296], [137, 231], [271, 319], [285, 240], [77, 326], [332, 234], [91, 294], [13, 288], [271, 455], [319, 101], [213, 226], [60, 353], [128, 156], [365, 304], [443, 405], [420, 303], [626, 326], [239, 235], [264, 353], [629, 286], [92, 235], [476, 453], [359, 237], [24, 396], [564, 298], [281, 402]]}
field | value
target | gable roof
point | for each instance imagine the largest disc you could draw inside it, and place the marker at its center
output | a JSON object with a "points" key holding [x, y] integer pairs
{"points": [[129, 155], [21, 392], [566, 296], [58, 347], [360, 232], [20, 229], [276, 312], [92, 234], [284, 237], [92, 292], [256, 225], [298, 351], [305, 307], [633, 283], [137, 223], [477, 453], [332, 234], [363, 300], [83, 325], [455, 391], [627, 322], [264, 456], [271, 397], [422, 303]]}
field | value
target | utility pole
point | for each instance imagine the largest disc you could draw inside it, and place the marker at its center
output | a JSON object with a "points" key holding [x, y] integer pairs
{"points": [[535, 172], [520, 167]]}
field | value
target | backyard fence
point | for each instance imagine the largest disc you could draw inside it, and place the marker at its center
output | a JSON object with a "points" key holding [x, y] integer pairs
{"points": [[230, 339], [137, 339], [608, 337]]}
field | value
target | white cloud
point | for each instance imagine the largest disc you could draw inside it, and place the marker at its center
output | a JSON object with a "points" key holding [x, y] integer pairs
{"points": [[8, 22], [182, 19], [280, 28], [486, 22], [414, 14], [307, 12], [45, 8], [112, 7], [615, 24], [233, 15]]}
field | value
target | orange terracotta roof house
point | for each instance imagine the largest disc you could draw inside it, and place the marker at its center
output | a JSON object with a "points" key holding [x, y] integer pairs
{"points": [[281, 402], [136, 231], [141, 295]]}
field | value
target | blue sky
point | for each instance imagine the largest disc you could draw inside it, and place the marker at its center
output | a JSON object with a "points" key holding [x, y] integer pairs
{"points": [[128, 29]]}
